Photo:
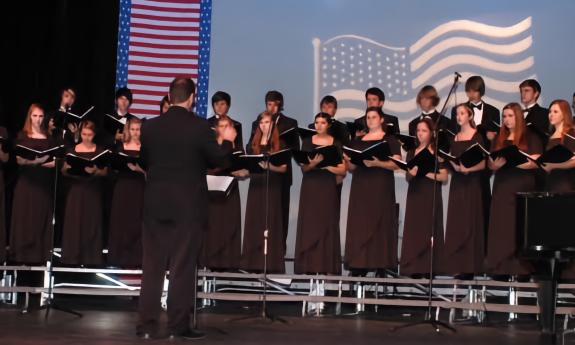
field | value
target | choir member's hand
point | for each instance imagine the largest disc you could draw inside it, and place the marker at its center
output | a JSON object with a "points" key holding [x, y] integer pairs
{"points": [[264, 165], [346, 158], [412, 171], [315, 160], [498, 163], [136, 167], [491, 135], [456, 167], [463, 169], [50, 165], [229, 134], [548, 167], [40, 160], [73, 127], [374, 162], [119, 136], [91, 170], [242, 173], [360, 133]]}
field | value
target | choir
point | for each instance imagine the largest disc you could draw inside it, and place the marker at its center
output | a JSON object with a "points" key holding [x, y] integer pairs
{"points": [[477, 145]]}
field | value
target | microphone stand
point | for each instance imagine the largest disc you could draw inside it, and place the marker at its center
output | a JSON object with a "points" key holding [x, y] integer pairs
{"points": [[431, 320], [264, 315], [50, 304]]}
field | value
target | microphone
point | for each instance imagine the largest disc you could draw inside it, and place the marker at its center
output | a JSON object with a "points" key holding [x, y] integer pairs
{"points": [[457, 75]]}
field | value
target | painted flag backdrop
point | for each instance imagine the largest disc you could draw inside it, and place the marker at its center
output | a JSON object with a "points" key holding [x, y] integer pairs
{"points": [[159, 40]]}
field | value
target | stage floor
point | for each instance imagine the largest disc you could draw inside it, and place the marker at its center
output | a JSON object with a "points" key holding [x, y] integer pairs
{"points": [[112, 321]]}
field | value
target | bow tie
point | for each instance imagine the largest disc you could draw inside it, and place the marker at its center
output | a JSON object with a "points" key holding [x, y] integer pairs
{"points": [[478, 106]]}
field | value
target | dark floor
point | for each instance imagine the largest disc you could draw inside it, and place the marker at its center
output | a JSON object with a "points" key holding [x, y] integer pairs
{"points": [[112, 321]]}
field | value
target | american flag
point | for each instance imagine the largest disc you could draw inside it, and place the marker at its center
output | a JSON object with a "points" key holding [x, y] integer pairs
{"points": [[347, 65], [159, 40]]}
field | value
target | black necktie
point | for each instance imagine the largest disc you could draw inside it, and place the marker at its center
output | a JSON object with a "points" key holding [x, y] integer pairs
{"points": [[478, 106]]}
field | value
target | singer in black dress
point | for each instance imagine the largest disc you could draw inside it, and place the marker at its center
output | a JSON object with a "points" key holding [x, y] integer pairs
{"points": [[561, 176], [415, 249], [3, 159], [125, 237], [502, 240], [464, 249], [255, 218], [222, 245], [32, 206], [317, 247], [82, 231], [372, 224]]}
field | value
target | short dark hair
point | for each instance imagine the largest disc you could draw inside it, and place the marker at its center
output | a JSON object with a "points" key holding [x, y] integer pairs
{"points": [[125, 92], [221, 96], [181, 89], [329, 99], [532, 83], [376, 91], [475, 83], [275, 96]]}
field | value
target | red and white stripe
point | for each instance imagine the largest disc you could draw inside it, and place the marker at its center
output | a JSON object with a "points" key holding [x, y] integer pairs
{"points": [[164, 43]]}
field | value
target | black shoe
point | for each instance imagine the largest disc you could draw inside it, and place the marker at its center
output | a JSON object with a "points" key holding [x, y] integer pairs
{"points": [[187, 335]]}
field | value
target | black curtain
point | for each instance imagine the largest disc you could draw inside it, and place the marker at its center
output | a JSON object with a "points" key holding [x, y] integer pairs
{"points": [[49, 44]]}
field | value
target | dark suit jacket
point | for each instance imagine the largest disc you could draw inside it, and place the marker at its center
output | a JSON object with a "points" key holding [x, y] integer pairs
{"points": [[239, 142], [444, 123], [539, 119], [177, 148], [283, 124], [490, 115], [390, 120]]}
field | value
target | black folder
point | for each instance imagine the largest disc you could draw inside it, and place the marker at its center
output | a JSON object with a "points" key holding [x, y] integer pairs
{"points": [[408, 142], [306, 132], [556, 154], [424, 160], [379, 150], [119, 161], [512, 155], [76, 118], [331, 156], [31, 154], [114, 124], [251, 162], [79, 164], [469, 158]]}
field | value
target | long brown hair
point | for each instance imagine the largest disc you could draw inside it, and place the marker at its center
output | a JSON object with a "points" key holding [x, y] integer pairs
{"points": [[275, 137], [519, 138], [126, 137], [28, 123], [567, 116], [469, 112], [431, 127]]}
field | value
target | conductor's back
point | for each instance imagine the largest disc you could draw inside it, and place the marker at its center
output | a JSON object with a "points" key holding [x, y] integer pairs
{"points": [[177, 147]]}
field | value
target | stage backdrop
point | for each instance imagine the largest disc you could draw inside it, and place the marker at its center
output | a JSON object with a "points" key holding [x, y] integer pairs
{"points": [[307, 49]]}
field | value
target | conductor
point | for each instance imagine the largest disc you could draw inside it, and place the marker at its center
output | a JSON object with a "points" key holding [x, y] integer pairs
{"points": [[177, 148]]}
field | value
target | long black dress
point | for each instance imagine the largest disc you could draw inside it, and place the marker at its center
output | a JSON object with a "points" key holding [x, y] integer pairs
{"points": [[82, 231], [415, 248], [255, 224], [372, 224], [562, 180], [317, 247], [464, 249], [32, 207], [502, 244], [125, 237], [4, 135]]}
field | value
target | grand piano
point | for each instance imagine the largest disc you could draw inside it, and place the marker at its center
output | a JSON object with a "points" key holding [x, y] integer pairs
{"points": [[546, 235]]}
